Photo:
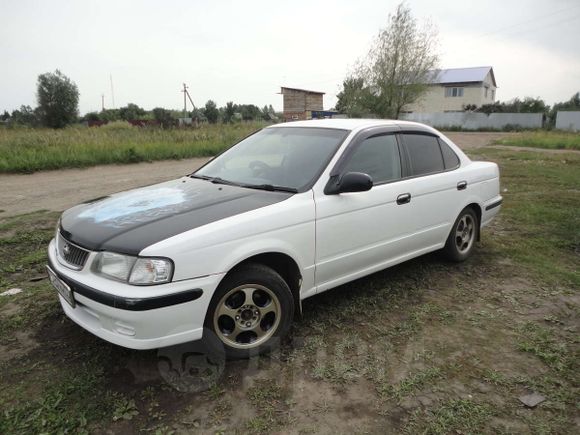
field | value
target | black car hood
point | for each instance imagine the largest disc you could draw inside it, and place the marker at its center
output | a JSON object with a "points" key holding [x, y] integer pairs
{"points": [[130, 221]]}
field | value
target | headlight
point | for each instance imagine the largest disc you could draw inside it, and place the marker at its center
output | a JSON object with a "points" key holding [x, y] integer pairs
{"points": [[114, 266], [134, 270]]}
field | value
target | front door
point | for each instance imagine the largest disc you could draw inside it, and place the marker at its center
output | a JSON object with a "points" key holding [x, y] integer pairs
{"points": [[359, 233]]}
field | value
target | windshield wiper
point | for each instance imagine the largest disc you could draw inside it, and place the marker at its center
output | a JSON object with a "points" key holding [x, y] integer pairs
{"points": [[201, 177], [218, 180], [215, 180], [270, 187]]}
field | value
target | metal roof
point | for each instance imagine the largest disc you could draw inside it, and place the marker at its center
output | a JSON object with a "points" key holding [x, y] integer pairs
{"points": [[301, 90], [461, 75]]}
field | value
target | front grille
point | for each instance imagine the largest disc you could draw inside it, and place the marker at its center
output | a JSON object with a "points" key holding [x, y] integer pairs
{"points": [[74, 256]]}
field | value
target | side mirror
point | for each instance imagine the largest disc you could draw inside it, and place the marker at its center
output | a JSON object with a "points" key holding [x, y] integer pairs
{"points": [[349, 182]]}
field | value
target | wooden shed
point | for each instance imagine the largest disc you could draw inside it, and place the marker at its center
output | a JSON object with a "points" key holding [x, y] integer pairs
{"points": [[299, 103]]}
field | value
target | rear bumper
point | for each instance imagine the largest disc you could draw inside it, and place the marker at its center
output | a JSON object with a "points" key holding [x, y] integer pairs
{"points": [[490, 209], [136, 317], [495, 203]]}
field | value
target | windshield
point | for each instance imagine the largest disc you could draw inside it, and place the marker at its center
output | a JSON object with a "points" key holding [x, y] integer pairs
{"points": [[280, 157]]}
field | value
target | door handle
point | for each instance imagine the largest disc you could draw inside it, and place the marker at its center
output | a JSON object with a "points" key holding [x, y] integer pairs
{"points": [[404, 198], [462, 185]]}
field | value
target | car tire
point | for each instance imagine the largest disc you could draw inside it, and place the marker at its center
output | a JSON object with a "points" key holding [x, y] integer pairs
{"points": [[462, 237], [250, 312]]}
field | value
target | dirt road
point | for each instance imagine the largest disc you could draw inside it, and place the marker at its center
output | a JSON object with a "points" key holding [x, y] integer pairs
{"points": [[59, 190]]}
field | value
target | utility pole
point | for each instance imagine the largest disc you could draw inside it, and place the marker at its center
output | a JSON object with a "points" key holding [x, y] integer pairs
{"points": [[184, 100], [185, 97], [102, 102]]}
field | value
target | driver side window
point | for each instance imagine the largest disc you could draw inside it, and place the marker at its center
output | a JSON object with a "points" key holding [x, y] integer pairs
{"points": [[377, 156]]}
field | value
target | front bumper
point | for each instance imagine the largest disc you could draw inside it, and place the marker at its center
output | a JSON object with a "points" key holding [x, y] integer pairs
{"points": [[136, 317]]}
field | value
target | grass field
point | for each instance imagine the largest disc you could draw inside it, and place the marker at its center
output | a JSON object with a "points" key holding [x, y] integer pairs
{"points": [[29, 150], [544, 139], [426, 347]]}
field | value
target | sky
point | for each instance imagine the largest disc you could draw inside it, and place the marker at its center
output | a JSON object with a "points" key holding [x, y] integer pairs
{"points": [[243, 51]]}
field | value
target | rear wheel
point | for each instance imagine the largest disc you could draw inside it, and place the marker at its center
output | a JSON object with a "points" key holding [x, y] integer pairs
{"points": [[461, 239], [251, 311]]}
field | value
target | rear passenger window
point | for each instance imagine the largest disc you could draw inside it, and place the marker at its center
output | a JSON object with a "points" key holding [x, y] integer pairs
{"points": [[378, 157], [424, 153], [449, 157]]}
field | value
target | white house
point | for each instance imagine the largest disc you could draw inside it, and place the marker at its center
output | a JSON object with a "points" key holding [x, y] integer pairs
{"points": [[450, 90]]}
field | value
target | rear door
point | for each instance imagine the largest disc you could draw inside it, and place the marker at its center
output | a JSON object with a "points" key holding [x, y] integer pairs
{"points": [[435, 187]]}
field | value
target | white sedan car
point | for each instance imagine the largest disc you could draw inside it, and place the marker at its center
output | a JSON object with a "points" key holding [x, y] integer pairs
{"points": [[289, 212]]}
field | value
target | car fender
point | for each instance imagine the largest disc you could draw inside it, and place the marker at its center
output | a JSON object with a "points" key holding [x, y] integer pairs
{"points": [[287, 228], [251, 248]]}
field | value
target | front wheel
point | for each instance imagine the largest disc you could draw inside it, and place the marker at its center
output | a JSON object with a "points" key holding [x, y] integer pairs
{"points": [[461, 239], [251, 311]]}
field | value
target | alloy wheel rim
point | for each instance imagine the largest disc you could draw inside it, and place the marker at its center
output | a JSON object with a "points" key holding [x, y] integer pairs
{"points": [[465, 233], [247, 316]]}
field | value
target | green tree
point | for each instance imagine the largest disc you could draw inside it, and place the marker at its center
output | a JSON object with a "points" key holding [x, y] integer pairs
{"points": [[229, 112], [398, 67], [110, 115], [267, 115], [271, 114], [91, 116], [26, 115], [572, 104], [163, 116], [58, 99], [211, 112], [355, 99], [131, 111], [5, 116], [249, 112], [527, 105], [196, 113]]}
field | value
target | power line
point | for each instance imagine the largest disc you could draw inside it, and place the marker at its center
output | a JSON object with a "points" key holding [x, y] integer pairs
{"points": [[565, 20], [525, 22]]}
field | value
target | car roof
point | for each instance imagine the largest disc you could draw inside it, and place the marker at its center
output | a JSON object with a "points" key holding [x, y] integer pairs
{"points": [[352, 124]]}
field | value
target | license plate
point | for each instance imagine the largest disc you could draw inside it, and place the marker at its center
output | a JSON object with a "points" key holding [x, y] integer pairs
{"points": [[61, 287]]}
